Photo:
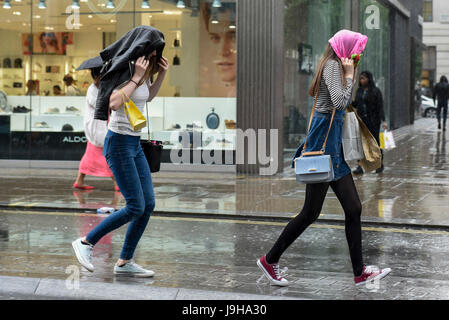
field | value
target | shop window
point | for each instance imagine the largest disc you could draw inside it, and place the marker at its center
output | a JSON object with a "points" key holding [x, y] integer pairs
{"points": [[44, 95], [376, 57], [428, 10], [308, 25]]}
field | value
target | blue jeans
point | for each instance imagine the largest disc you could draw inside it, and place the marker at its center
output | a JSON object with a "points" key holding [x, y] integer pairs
{"points": [[127, 161]]}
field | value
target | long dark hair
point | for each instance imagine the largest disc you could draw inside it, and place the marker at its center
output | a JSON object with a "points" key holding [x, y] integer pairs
{"points": [[367, 74], [328, 54], [443, 79]]}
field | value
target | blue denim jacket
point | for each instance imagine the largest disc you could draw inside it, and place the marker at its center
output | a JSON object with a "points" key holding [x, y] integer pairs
{"points": [[316, 136]]}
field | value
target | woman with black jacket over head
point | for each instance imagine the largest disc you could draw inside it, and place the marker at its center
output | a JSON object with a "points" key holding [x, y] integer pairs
{"points": [[134, 59], [370, 108]]}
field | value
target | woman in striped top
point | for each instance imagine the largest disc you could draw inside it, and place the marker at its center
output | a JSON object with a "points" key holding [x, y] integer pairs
{"points": [[332, 86]]}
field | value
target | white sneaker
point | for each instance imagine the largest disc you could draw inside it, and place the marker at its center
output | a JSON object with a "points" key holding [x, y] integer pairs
{"points": [[133, 269], [83, 254]]}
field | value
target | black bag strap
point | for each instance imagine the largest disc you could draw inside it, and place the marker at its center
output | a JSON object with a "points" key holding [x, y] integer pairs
{"points": [[148, 120]]}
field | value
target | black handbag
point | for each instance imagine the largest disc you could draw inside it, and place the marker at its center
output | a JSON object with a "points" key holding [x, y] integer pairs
{"points": [[153, 153], [152, 150]]}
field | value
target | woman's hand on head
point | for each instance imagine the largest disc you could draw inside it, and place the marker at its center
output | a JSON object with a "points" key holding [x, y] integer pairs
{"points": [[140, 68], [348, 67], [163, 65]]}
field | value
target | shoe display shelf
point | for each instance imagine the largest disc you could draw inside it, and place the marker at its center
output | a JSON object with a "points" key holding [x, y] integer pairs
{"points": [[43, 117], [11, 76]]}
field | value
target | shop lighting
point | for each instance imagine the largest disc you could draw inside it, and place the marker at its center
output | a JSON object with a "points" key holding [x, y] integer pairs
{"points": [[181, 4], [42, 5], [17, 13], [110, 4], [76, 4], [216, 4], [232, 24], [194, 5], [172, 12], [6, 5], [214, 16], [145, 4]]}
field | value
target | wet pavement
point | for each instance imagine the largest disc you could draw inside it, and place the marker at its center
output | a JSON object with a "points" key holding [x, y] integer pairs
{"points": [[413, 190], [208, 229], [220, 254]]}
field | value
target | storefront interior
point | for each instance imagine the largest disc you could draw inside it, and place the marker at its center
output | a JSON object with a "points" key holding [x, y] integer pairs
{"points": [[44, 42]]}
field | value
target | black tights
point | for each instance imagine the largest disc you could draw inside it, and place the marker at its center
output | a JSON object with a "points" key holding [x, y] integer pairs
{"points": [[347, 194]]}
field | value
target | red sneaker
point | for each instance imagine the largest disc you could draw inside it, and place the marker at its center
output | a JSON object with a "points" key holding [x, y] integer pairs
{"points": [[371, 273], [271, 271]]}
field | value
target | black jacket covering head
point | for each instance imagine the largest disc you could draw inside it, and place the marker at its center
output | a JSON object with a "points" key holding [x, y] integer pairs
{"points": [[119, 59]]}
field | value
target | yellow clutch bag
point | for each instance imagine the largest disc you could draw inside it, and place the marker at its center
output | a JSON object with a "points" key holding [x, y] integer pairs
{"points": [[135, 117]]}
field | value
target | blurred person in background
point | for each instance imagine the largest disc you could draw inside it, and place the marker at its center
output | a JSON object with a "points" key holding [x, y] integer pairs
{"points": [[370, 108], [57, 90], [72, 90], [441, 93], [93, 162]]}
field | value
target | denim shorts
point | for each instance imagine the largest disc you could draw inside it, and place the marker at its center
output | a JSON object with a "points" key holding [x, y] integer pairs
{"points": [[334, 148]]}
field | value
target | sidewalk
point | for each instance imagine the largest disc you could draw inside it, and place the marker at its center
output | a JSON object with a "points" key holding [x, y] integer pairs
{"points": [[56, 289], [412, 191]]}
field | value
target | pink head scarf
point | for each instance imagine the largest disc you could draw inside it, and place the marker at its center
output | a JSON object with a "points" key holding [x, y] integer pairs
{"points": [[346, 42]]}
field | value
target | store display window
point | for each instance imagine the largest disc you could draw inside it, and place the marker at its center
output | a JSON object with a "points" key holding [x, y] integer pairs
{"points": [[43, 95]]}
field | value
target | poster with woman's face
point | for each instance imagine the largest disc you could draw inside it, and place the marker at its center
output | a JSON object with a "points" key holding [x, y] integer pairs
{"points": [[218, 53], [46, 42]]}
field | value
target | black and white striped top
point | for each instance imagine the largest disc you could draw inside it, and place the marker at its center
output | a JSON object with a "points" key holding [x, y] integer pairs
{"points": [[332, 92]]}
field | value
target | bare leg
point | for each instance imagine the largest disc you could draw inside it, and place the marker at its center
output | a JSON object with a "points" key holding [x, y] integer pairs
{"points": [[115, 183], [121, 262], [80, 179]]}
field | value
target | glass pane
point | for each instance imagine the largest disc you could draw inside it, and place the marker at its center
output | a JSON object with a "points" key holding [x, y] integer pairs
{"points": [[62, 38], [308, 27], [198, 96], [52, 38], [375, 24], [14, 73], [428, 11]]}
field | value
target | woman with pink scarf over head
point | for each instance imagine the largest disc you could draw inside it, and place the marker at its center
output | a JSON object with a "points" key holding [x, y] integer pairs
{"points": [[332, 87]]}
